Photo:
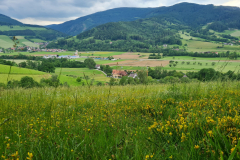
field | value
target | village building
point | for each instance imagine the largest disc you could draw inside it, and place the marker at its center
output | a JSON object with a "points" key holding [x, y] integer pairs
{"points": [[165, 45], [133, 75], [97, 66], [118, 73]]}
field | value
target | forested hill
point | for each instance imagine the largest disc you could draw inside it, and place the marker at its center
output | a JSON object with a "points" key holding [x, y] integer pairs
{"points": [[136, 35], [195, 15], [5, 20], [187, 13], [82, 24]]}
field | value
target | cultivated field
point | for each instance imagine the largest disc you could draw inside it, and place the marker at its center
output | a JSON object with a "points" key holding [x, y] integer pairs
{"points": [[183, 121]]}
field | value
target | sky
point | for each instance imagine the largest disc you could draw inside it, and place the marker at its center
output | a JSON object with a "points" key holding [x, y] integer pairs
{"points": [[46, 12]]}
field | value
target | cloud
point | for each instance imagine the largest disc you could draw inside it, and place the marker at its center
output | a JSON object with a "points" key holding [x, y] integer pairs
{"points": [[45, 12]]}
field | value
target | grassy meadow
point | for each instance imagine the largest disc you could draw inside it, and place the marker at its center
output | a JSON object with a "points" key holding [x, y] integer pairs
{"points": [[6, 42], [16, 73], [181, 121], [70, 74]]}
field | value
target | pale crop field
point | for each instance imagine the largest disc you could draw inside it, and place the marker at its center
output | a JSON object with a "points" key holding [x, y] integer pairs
{"points": [[173, 121]]}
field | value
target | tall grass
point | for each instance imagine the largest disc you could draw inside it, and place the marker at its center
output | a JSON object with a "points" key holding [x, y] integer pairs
{"points": [[180, 121]]}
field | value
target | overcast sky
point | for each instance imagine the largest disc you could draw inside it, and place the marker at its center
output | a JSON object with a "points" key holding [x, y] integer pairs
{"points": [[45, 12]]}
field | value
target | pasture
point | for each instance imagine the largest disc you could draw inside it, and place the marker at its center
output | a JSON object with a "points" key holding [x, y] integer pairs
{"points": [[73, 73], [6, 42], [222, 66], [182, 121], [16, 73], [4, 69]]}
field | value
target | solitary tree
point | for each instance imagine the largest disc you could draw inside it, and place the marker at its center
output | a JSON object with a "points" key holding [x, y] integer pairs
{"points": [[90, 63]]}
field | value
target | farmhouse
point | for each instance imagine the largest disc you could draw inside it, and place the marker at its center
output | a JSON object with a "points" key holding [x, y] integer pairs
{"points": [[165, 45], [97, 66], [118, 74], [133, 75]]}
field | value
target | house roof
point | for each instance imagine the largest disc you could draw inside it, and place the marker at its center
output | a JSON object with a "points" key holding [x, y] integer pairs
{"points": [[133, 75], [122, 73], [97, 65]]}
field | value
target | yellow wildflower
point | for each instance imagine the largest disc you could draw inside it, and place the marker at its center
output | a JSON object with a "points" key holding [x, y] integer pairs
{"points": [[196, 146], [30, 156]]}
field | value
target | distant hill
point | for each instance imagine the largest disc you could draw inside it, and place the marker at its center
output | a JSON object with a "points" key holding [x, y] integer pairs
{"points": [[82, 24], [163, 26], [5, 20], [189, 14], [32, 33]]}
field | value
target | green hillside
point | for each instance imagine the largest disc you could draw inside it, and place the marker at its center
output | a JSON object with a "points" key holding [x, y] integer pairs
{"points": [[6, 42], [5, 69], [190, 14]]}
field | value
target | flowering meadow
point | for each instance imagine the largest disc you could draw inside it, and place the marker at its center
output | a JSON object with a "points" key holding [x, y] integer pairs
{"points": [[193, 121]]}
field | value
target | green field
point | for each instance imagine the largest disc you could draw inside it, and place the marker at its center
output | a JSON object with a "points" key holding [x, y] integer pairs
{"points": [[222, 66], [17, 73], [4, 69], [193, 121], [6, 42], [107, 61], [10, 77], [127, 67], [38, 40], [193, 58], [7, 28], [16, 60], [79, 72], [22, 41], [96, 54], [100, 54]]}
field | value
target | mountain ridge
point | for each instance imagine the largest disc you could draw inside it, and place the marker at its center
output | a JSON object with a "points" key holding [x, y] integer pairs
{"points": [[181, 11]]}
